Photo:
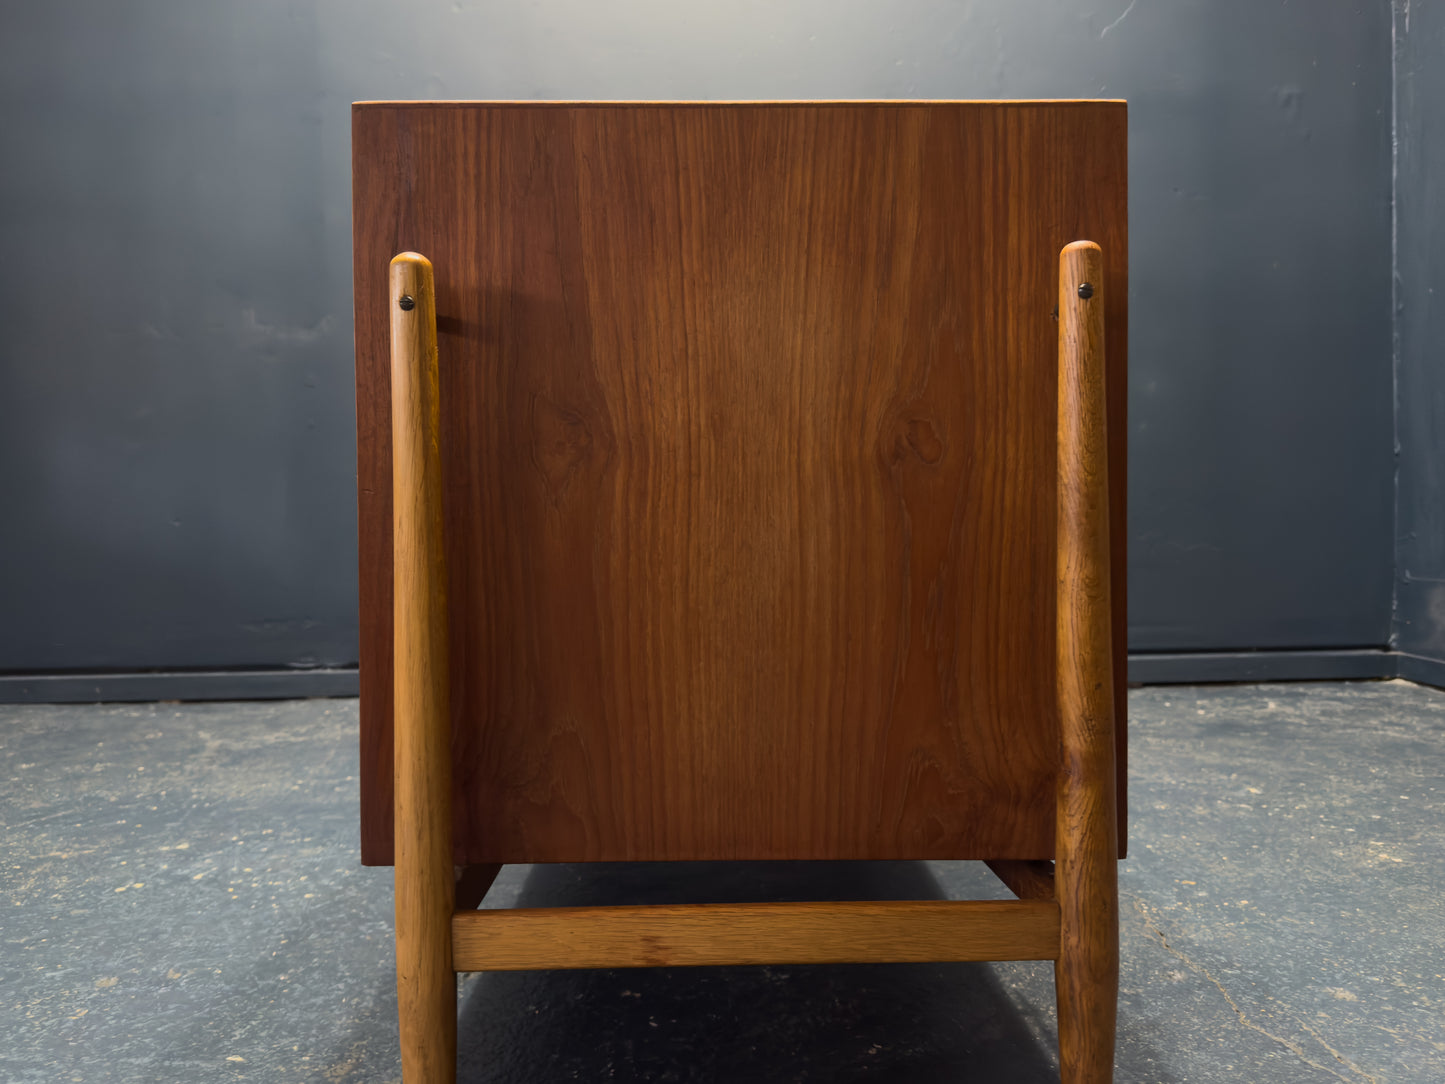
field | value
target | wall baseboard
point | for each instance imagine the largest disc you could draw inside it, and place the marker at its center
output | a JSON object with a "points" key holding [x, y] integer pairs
{"points": [[176, 685], [1202, 667], [1419, 669], [1152, 668]]}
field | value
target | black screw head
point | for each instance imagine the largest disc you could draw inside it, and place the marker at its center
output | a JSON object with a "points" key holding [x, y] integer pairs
{"points": [[1086, 290], [406, 303]]}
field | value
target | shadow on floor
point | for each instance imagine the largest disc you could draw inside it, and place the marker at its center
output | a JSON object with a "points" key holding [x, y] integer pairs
{"points": [[877, 1022]]}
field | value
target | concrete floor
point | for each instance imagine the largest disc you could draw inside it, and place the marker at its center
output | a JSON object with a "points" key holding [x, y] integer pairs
{"points": [[183, 902]]}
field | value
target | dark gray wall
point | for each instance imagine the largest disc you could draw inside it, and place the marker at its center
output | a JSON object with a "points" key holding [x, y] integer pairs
{"points": [[1420, 329], [176, 430], [176, 412]]}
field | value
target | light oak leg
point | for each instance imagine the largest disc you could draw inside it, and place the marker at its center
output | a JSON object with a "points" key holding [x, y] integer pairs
{"points": [[425, 981], [1086, 974]]}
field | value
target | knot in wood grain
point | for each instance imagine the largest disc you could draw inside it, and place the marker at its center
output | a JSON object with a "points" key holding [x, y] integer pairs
{"points": [[561, 442], [924, 440]]}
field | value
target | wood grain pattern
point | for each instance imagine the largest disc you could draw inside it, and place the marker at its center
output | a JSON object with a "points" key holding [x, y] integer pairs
{"points": [[755, 933], [1086, 873], [426, 985], [748, 430]]}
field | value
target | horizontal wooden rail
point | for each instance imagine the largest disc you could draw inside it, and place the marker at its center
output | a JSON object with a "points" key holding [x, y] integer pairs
{"points": [[524, 939]]}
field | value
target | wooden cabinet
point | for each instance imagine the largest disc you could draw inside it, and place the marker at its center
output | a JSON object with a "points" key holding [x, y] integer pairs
{"points": [[761, 480]]}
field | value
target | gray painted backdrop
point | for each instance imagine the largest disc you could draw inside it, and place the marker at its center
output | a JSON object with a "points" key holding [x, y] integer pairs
{"points": [[176, 414], [1420, 229]]}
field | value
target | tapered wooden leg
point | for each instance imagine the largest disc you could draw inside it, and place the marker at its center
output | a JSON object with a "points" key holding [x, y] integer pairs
{"points": [[1086, 975], [1086, 869], [426, 984]]}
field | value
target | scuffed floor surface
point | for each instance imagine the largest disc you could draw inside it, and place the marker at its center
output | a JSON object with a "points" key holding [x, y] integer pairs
{"points": [[183, 902]]}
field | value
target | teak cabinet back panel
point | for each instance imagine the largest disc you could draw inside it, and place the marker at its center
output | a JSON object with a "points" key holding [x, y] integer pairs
{"points": [[748, 437]]}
